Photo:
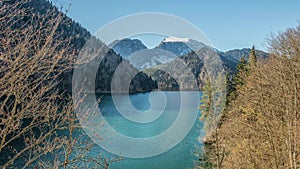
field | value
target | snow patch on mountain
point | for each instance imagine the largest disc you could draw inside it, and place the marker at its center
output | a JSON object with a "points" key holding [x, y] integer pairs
{"points": [[126, 47], [175, 39], [148, 58]]}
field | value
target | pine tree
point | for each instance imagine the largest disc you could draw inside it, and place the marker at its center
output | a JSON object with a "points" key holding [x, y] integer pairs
{"points": [[213, 101], [212, 107], [230, 87], [206, 100], [241, 72], [238, 80], [252, 58]]}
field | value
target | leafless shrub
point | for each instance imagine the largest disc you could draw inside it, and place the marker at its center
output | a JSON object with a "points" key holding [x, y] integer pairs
{"points": [[38, 127]]}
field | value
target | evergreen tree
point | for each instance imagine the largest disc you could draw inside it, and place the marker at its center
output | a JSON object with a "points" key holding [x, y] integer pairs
{"points": [[238, 79], [241, 72], [213, 101], [230, 87], [206, 100], [220, 88], [212, 107], [252, 58]]}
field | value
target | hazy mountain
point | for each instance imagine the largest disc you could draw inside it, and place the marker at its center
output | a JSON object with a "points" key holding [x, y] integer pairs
{"points": [[232, 57], [148, 58], [178, 46], [186, 72], [173, 52], [167, 51], [163, 74], [126, 47]]}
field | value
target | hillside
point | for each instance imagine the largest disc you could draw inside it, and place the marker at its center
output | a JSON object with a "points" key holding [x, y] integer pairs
{"points": [[229, 59], [232, 57], [188, 68], [71, 34]]}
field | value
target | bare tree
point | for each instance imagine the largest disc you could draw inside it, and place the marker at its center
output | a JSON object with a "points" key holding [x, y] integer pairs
{"points": [[261, 127], [38, 127]]}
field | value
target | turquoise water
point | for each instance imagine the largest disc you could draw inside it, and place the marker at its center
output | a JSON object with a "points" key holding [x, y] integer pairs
{"points": [[183, 155]]}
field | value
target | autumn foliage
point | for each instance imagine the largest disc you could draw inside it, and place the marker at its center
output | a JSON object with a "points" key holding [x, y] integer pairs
{"points": [[261, 126]]}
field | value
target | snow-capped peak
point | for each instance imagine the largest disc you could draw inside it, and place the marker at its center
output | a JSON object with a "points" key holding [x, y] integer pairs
{"points": [[174, 39]]}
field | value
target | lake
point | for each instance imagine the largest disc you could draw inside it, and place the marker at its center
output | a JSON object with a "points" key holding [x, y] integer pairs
{"points": [[180, 106]]}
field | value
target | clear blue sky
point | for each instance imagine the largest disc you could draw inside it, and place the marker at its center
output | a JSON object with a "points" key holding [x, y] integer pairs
{"points": [[228, 24]]}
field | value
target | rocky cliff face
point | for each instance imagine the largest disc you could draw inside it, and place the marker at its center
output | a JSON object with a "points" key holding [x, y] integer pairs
{"points": [[185, 73], [179, 48], [126, 47]]}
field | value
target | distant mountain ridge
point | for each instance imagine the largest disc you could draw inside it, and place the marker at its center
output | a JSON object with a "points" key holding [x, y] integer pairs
{"points": [[144, 59], [175, 45], [172, 52], [126, 47], [165, 81], [168, 50], [232, 57], [188, 69]]}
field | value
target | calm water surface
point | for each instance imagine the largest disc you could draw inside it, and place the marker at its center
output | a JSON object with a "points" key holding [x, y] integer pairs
{"points": [[183, 155]]}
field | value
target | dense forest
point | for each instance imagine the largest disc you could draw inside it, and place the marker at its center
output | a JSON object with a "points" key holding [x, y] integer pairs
{"points": [[259, 128]]}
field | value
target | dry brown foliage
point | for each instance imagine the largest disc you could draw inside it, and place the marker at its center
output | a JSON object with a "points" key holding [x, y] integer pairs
{"points": [[38, 127], [261, 128]]}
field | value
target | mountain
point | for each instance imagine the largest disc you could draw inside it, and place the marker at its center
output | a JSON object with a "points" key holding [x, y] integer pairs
{"points": [[232, 57], [148, 58], [126, 47], [175, 45], [110, 66], [187, 72], [75, 36], [164, 60], [163, 74], [167, 51]]}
